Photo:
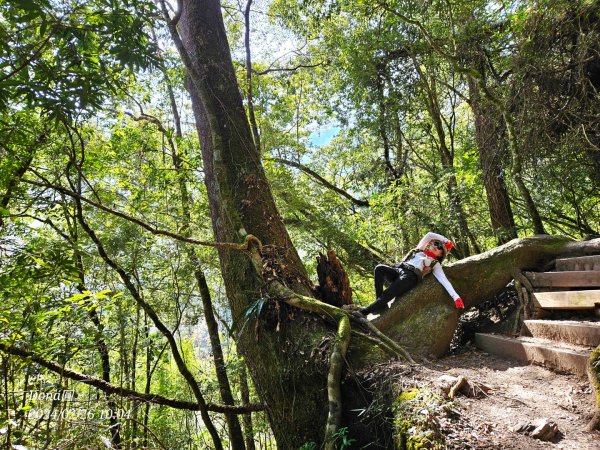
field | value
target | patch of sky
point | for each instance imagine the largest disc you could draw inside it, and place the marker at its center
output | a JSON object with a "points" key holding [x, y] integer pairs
{"points": [[321, 137]]}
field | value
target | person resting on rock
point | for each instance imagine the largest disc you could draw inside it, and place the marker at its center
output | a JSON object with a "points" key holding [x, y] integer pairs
{"points": [[426, 258]]}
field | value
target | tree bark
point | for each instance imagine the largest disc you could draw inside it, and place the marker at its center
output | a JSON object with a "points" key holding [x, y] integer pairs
{"points": [[241, 203], [488, 134], [424, 320]]}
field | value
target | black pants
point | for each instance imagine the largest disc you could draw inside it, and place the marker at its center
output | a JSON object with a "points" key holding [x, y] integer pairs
{"points": [[401, 280]]}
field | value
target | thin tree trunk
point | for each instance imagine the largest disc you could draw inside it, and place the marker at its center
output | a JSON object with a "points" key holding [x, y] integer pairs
{"points": [[488, 134], [183, 369], [233, 424], [517, 174], [447, 158], [246, 418], [114, 425], [383, 130]]}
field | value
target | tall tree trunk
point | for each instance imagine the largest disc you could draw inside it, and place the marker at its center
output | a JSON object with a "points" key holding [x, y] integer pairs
{"points": [[488, 134], [517, 173], [241, 203]]}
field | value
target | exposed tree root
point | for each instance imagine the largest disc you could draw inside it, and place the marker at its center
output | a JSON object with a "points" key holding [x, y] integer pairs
{"points": [[452, 386], [338, 351], [462, 382], [358, 317], [334, 390]]}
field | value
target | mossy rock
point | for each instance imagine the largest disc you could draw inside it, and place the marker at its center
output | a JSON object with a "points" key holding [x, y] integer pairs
{"points": [[594, 377], [416, 414]]}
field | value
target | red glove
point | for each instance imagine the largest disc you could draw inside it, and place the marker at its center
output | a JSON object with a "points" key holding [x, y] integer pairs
{"points": [[459, 303], [448, 245]]}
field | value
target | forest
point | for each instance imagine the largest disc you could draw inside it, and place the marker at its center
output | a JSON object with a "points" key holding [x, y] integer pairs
{"points": [[178, 178]]}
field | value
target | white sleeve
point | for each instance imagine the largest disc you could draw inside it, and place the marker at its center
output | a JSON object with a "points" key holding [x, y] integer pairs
{"points": [[439, 274], [428, 237]]}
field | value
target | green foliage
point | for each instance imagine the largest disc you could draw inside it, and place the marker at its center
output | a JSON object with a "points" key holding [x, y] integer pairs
{"points": [[66, 57], [252, 313], [341, 439], [84, 84]]}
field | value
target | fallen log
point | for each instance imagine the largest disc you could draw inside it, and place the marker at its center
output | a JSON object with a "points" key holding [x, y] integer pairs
{"points": [[424, 320]]}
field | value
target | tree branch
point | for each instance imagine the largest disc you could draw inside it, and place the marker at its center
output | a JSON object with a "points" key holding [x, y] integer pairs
{"points": [[179, 361], [322, 180], [228, 245], [287, 69], [124, 392]]}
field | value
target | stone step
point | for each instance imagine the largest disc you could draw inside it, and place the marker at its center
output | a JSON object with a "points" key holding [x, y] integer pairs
{"points": [[567, 299], [579, 263], [579, 333], [581, 279], [538, 351]]}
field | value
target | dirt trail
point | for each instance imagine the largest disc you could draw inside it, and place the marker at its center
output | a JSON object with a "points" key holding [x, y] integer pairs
{"points": [[519, 393]]}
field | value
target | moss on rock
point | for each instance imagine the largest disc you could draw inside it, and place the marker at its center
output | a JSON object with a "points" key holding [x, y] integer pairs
{"points": [[594, 376], [416, 422]]}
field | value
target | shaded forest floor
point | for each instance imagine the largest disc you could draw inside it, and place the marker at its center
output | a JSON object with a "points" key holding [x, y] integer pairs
{"points": [[518, 393]]}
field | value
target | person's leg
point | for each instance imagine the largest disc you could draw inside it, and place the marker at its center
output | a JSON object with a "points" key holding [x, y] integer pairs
{"points": [[403, 282], [382, 274]]}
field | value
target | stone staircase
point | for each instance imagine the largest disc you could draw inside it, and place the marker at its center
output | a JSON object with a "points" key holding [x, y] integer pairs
{"points": [[573, 288]]}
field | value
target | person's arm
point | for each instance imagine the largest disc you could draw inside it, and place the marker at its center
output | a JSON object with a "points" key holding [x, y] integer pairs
{"points": [[439, 274], [429, 237]]}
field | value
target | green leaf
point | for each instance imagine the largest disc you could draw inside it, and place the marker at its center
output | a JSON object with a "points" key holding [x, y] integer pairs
{"points": [[253, 311]]}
